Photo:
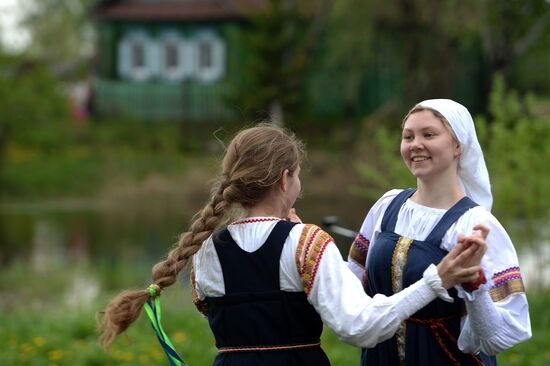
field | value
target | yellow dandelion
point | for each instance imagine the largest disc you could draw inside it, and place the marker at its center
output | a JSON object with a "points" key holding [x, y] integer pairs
{"points": [[39, 341], [27, 348], [55, 355], [180, 337], [127, 356], [157, 354]]}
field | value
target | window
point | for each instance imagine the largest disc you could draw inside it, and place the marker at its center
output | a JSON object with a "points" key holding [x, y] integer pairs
{"points": [[209, 56], [136, 56], [205, 56], [175, 56], [171, 56]]}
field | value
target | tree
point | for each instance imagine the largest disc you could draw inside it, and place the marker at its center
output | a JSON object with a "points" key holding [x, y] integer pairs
{"points": [[31, 98], [61, 32], [510, 28], [32, 103], [437, 45], [280, 41]]}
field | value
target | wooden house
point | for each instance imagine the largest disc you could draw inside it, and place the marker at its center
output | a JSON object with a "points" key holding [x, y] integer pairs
{"points": [[167, 59]]}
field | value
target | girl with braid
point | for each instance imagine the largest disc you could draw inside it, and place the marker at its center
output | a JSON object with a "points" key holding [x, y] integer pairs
{"points": [[266, 281], [409, 229]]}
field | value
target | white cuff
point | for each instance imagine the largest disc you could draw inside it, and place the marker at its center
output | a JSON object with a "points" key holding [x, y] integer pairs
{"points": [[431, 276], [484, 318]]}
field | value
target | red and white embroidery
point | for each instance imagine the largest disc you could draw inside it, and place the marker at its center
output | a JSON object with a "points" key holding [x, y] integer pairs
{"points": [[312, 245], [255, 220]]}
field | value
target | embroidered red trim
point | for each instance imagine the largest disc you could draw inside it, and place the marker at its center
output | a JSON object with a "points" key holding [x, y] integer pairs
{"points": [[314, 272], [267, 348], [260, 219], [307, 249], [472, 286]]}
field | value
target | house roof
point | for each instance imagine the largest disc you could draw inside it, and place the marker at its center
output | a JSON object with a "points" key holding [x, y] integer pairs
{"points": [[162, 10]]}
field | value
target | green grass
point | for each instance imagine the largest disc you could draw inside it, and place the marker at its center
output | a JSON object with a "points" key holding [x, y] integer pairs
{"points": [[69, 338], [53, 334]]}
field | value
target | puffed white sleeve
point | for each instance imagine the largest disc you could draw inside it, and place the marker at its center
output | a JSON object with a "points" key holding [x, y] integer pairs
{"points": [[359, 248], [338, 296], [497, 313]]}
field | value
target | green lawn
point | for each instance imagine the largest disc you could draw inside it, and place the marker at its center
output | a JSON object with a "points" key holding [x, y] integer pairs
{"points": [[55, 335]]}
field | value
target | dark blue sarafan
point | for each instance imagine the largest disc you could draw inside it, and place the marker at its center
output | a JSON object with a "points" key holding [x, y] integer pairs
{"points": [[429, 337], [255, 323]]}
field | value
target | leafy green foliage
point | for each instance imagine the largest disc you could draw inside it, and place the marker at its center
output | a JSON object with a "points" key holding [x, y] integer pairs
{"points": [[515, 143], [274, 42], [425, 48], [382, 168], [34, 107], [46, 20], [87, 158]]}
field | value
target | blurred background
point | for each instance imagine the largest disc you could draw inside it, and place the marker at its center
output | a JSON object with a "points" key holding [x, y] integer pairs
{"points": [[113, 116]]}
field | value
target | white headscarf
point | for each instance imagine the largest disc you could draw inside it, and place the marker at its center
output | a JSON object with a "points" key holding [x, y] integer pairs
{"points": [[472, 171]]}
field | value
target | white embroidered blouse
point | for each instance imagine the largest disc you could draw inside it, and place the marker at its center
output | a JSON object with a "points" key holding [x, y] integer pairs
{"points": [[311, 262], [497, 313]]}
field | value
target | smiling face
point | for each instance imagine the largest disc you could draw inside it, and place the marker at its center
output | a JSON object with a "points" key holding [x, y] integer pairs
{"points": [[427, 146]]}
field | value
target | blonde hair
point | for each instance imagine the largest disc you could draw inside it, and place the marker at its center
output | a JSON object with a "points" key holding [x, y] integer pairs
{"points": [[253, 163], [437, 115]]}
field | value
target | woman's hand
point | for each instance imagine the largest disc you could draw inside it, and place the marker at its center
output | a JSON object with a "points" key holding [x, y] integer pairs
{"points": [[476, 238], [292, 216], [462, 263]]}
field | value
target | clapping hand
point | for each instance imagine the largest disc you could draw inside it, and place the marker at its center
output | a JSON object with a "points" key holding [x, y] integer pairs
{"points": [[477, 240], [462, 263]]}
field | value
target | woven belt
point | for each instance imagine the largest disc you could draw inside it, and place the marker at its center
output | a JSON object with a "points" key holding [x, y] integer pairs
{"points": [[439, 330], [268, 348]]}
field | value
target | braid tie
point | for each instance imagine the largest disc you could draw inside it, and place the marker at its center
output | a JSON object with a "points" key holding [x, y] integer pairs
{"points": [[154, 290]]}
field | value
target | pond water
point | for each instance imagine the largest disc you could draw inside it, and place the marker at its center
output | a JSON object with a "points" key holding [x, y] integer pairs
{"points": [[124, 230]]}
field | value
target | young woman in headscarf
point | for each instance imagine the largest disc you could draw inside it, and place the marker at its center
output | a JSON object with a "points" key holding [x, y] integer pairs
{"points": [[407, 230]]}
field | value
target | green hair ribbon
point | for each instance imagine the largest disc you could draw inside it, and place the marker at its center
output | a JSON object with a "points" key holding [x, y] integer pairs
{"points": [[152, 307]]}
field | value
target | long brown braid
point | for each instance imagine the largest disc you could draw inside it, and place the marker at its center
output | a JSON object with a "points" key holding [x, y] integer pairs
{"points": [[253, 163]]}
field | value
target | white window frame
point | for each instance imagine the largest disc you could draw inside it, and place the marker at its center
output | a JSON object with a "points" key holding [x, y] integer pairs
{"points": [[125, 67], [217, 69], [185, 66]]}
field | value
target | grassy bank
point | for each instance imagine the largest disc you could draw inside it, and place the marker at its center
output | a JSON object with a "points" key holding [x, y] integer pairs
{"points": [[42, 324], [61, 338]]}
